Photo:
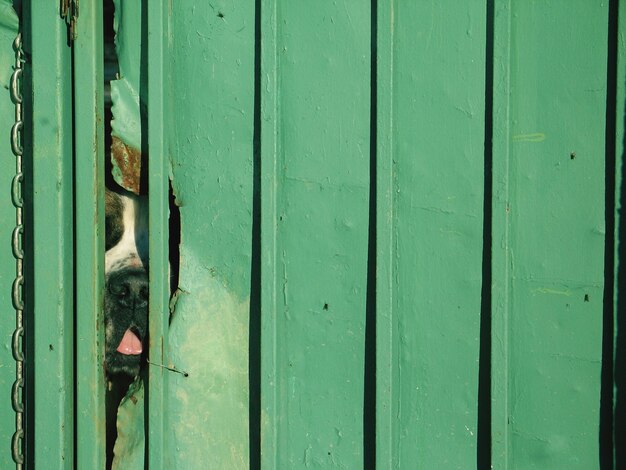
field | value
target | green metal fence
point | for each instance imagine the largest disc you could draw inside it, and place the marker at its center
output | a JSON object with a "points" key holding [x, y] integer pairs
{"points": [[399, 233]]}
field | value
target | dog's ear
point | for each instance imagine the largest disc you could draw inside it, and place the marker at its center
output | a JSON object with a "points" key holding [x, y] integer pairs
{"points": [[114, 219], [127, 166]]}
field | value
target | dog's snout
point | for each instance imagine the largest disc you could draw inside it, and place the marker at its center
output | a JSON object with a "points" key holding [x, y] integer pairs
{"points": [[129, 288]]}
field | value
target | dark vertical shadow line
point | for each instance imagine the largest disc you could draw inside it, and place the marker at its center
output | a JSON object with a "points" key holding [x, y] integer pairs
{"points": [[369, 380], [174, 244], [110, 409], [143, 99], [483, 438], [143, 181], [605, 435], [254, 345]]}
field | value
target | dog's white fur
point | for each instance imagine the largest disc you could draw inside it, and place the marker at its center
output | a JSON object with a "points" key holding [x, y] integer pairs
{"points": [[132, 249]]}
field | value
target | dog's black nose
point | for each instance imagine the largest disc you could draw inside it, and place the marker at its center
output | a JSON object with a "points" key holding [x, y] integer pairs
{"points": [[129, 288]]}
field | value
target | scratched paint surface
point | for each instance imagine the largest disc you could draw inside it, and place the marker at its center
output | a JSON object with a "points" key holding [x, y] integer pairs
{"points": [[211, 161], [437, 109], [212, 59], [547, 251], [548, 233], [319, 266], [8, 30], [130, 443]]}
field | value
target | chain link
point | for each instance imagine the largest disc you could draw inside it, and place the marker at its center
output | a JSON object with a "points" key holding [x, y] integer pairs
{"points": [[17, 442]]}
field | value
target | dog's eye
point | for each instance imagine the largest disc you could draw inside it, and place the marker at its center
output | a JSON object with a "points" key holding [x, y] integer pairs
{"points": [[113, 233], [119, 289], [113, 219]]}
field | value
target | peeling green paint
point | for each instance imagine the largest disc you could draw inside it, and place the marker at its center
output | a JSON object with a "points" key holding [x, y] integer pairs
{"points": [[128, 92], [211, 151], [546, 411], [430, 158], [130, 444], [314, 112], [208, 411], [315, 203]]}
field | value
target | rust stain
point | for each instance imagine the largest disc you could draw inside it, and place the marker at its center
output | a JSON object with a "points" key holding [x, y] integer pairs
{"points": [[128, 161]]}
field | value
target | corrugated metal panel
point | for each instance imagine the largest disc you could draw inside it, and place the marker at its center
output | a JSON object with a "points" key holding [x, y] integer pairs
{"points": [[315, 172], [431, 165], [549, 228], [210, 129], [158, 68], [393, 225], [89, 225], [49, 247]]}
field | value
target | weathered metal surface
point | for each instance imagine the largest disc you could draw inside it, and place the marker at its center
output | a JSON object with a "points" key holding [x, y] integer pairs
{"points": [[129, 447], [550, 97], [126, 165], [158, 457], [48, 192], [89, 222], [128, 94], [307, 106], [315, 163], [211, 144], [430, 162]]}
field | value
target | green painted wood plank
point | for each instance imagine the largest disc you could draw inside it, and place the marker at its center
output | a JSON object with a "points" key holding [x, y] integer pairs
{"points": [[548, 232], [8, 32], [159, 234], [48, 146], [211, 135], [89, 230], [317, 71], [433, 244]]}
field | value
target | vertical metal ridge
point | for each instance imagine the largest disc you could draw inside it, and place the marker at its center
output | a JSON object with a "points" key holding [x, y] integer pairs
{"points": [[500, 231], [483, 435], [369, 372], [618, 395], [48, 257], [269, 155], [157, 35], [385, 435], [254, 328], [89, 233], [611, 217]]}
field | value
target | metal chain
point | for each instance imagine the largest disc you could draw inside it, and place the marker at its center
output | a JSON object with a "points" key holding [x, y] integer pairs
{"points": [[17, 443]]}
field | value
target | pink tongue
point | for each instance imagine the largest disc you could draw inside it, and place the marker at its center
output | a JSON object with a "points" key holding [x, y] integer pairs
{"points": [[130, 344]]}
